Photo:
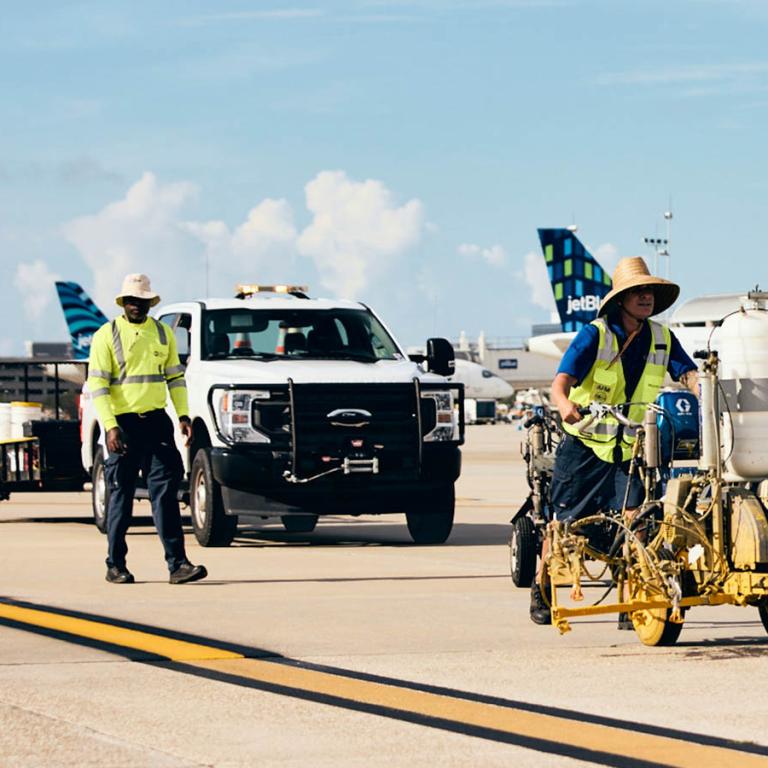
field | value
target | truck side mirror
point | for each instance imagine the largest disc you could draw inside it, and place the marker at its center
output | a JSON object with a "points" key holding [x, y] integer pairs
{"points": [[440, 357]]}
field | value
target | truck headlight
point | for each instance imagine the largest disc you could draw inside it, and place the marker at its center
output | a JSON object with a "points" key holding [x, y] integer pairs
{"points": [[446, 422], [235, 415]]}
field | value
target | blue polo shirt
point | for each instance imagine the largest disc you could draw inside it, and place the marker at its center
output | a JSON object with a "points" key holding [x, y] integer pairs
{"points": [[580, 355]]}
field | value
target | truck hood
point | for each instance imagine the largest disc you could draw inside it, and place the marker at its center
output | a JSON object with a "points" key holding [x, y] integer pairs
{"points": [[309, 372]]}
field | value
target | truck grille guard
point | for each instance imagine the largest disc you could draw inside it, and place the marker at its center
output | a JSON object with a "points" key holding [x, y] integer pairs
{"points": [[405, 399]]}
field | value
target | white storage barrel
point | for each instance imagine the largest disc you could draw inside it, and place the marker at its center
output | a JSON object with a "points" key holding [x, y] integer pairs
{"points": [[21, 412], [742, 341], [5, 421]]}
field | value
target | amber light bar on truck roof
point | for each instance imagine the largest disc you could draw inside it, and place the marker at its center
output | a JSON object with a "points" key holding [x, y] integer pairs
{"points": [[244, 290]]}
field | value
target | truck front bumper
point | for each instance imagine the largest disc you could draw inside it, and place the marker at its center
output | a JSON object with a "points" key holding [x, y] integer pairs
{"points": [[258, 473]]}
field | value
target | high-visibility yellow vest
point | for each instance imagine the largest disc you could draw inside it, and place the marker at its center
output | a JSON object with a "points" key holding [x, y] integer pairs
{"points": [[605, 383], [132, 367]]}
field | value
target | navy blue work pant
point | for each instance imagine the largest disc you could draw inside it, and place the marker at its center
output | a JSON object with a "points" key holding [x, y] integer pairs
{"points": [[151, 451], [583, 484]]}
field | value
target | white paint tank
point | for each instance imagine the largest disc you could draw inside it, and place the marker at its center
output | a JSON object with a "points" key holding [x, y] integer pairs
{"points": [[743, 344]]}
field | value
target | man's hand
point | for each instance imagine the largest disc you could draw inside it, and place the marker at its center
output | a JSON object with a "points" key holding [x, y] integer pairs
{"points": [[569, 412], [561, 388], [185, 427], [115, 442], [690, 380]]}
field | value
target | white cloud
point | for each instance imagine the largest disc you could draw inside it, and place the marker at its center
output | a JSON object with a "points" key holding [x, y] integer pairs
{"points": [[607, 256], [277, 14], [495, 255], [35, 282], [707, 73], [142, 232], [259, 250], [357, 233], [537, 278]]}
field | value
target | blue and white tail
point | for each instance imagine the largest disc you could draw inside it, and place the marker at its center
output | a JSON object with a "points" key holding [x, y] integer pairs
{"points": [[83, 317], [578, 281]]}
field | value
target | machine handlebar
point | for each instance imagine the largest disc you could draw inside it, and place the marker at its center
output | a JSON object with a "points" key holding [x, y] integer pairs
{"points": [[599, 410]]}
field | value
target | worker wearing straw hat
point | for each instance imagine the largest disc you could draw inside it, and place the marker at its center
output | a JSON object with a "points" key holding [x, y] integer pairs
{"points": [[621, 357], [133, 366]]}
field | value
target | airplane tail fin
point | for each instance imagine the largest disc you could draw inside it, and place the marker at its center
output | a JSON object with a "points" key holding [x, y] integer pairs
{"points": [[578, 281], [83, 317]]}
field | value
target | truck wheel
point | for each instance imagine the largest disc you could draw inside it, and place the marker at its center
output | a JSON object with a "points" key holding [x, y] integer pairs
{"points": [[99, 491], [299, 523], [212, 526], [522, 552], [432, 525]]}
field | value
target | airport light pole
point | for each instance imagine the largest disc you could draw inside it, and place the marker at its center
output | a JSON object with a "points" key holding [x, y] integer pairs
{"points": [[660, 246]]}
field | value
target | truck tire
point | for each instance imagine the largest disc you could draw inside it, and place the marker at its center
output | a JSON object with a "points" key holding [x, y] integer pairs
{"points": [[99, 491], [433, 524], [299, 523], [212, 526], [522, 552]]}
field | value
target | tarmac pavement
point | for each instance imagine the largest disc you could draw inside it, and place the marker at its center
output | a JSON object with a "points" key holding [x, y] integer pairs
{"points": [[344, 630]]}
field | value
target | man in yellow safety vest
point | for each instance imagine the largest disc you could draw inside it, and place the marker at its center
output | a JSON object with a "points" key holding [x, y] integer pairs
{"points": [[620, 357], [132, 366]]}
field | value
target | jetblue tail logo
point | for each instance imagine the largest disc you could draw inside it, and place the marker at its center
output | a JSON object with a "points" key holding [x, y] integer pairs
{"points": [[83, 317], [578, 281]]}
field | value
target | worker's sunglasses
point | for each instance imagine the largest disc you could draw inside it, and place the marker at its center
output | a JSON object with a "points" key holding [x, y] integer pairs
{"points": [[641, 289]]}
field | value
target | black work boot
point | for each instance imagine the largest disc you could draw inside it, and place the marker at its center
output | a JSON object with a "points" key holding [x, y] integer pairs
{"points": [[624, 621], [117, 575], [540, 612], [187, 572]]}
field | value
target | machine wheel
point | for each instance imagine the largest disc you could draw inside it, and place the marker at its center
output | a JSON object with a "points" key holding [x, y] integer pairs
{"points": [[212, 526], [653, 626], [99, 491], [433, 526], [522, 552], [299, 523], [763, 610]]}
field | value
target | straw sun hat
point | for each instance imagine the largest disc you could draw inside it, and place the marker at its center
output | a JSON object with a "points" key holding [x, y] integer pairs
{"points": [[632, 272], [138, 286]]}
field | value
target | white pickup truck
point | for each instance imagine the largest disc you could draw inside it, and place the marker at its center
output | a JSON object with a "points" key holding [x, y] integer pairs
{"points": [[305, 407]]}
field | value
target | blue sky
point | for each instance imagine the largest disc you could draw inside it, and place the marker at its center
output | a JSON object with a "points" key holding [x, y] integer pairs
{"points": [[399, 152]]}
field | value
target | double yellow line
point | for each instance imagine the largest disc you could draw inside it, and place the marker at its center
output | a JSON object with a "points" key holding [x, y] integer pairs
{"points": [[604, 741]]}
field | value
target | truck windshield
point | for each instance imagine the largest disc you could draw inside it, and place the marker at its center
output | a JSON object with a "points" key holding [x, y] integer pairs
{"points": [[337, 334]]}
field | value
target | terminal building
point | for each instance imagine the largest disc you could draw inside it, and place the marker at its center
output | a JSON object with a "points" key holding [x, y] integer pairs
{"points": [[510, 358]]}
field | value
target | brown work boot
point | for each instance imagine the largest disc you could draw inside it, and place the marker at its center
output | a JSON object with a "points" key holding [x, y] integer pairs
{"points": [[118, 575], [187, 572], [540, 612]]}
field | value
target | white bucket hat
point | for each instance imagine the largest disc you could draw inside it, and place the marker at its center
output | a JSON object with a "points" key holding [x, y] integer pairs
{"points": [[138, 286], [632, 272]]}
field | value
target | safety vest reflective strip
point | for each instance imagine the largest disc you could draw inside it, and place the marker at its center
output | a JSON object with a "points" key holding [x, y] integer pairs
{"points": [[117, 346], [150, 378], [605, 383]]}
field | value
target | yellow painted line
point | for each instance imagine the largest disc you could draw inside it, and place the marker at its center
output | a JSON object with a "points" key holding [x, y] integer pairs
{"points": [[176, 650], [583, 735], [623, 741]]}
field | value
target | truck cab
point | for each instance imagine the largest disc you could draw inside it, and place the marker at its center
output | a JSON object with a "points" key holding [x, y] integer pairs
{"points": [[303, 408]]}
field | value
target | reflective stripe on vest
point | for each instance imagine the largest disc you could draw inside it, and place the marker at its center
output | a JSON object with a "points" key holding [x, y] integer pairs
{"points": [[605, 383], [117, 344], [173, 370]]}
